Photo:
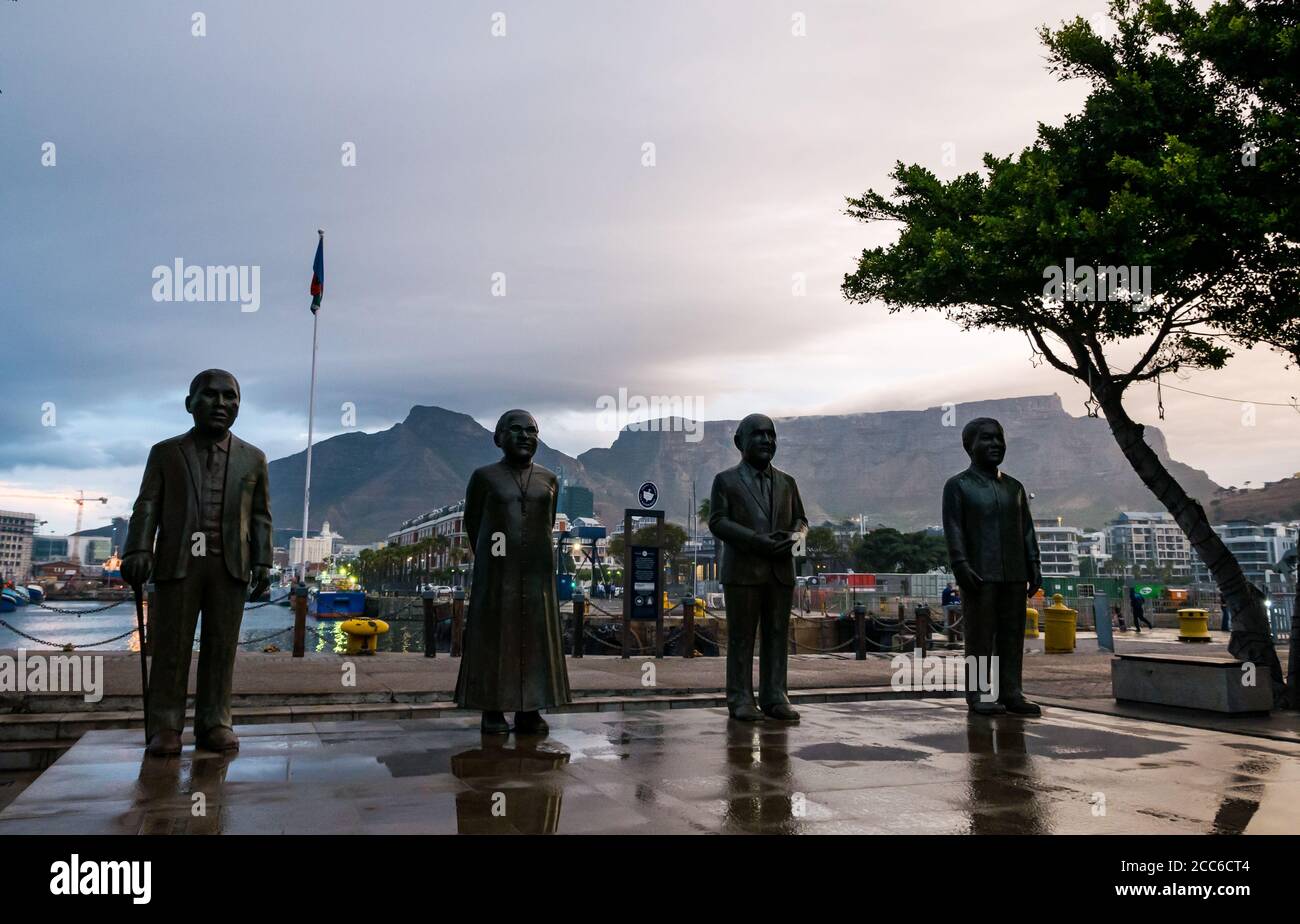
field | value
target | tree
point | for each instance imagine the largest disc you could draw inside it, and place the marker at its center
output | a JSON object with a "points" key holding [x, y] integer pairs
{"points": [[1148, 176], [888, 550], [1249, 51], [674, 540]]}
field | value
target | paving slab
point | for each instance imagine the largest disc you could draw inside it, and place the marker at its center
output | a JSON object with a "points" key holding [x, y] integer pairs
{"points": [[889, 766]]}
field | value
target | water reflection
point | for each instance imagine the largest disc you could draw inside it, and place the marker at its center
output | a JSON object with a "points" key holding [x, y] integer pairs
{"points": [[498, 803], [759, 780], [1001, 795], [166, 790]]}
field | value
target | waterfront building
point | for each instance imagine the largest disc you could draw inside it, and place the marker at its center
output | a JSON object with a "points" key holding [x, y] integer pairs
{"points": [[16, 531], [447, 521], [314, 549], [1151, 541], [1259, 548], [1058, 547]]}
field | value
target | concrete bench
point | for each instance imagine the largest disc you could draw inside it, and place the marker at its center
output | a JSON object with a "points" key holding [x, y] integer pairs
{"points": [[1216, 684]]}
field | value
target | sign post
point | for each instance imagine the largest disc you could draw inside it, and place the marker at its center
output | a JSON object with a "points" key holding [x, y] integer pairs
{"points": [[643, 597]]}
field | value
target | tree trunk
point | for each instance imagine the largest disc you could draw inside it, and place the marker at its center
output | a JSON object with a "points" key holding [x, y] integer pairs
{"points": [[1252, 637]]}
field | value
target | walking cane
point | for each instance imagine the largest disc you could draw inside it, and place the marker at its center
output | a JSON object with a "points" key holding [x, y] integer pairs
{"points": [[144, 661]]}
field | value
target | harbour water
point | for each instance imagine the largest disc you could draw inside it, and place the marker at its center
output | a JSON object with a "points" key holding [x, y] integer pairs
{"points": [[84, 623]]}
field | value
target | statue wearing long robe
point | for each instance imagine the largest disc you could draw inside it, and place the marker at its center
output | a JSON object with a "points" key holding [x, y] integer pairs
{"points": [[513, 655]]}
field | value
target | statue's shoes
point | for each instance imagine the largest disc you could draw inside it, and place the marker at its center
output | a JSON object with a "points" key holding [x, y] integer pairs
{"points": [[1023, 707], [782, 712], [218, 739], [746, 713], [987, 708], [165, 743], [530, 723], [494, 723]]}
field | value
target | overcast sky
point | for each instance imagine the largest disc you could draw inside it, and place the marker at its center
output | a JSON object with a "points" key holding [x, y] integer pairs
{"points": [[522, 155]]}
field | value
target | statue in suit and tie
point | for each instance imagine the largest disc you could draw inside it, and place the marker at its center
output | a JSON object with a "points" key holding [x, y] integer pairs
{"points": [[756, 512], [205, 499]]}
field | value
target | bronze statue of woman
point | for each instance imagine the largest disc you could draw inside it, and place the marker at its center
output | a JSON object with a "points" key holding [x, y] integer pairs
{"points": [[513, 652]]}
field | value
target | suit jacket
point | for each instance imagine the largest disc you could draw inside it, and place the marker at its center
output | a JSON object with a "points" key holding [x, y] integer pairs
{"points": [[168, 508], [988, 526], [737, 515]]}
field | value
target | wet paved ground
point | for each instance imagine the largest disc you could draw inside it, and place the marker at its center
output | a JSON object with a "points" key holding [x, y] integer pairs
{"points": [[904, 766]]}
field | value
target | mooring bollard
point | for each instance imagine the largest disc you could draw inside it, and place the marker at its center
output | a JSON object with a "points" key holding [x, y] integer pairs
{"points": [[579, 617], [688, 627], [457, 620], [923, 627], [299, 619], [430, 625], [860, 631]]}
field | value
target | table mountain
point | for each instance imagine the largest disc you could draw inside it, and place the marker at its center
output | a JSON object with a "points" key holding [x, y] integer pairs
{"points": [[366, 484], [889, 465]]}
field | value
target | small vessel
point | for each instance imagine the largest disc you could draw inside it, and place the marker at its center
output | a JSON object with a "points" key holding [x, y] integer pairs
{"points": [[35, 592], [337, 604], [7, 604], [20, 597]]}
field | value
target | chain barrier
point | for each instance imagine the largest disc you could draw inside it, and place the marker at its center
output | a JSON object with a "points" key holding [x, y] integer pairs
{"points": [[263, 638], [66, 646], [65, 612]]}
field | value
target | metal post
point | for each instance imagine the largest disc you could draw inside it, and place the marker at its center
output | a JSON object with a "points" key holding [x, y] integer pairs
{"points": [[860, 631], [430, 625], [659, 593], [150, 599], [923, 627], [457, 620], [627, 584], [688, 627], [579, 623], [299, 620]]}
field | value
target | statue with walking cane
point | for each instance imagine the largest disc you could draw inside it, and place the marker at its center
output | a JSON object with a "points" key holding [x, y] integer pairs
{"points": [[201, 527]]}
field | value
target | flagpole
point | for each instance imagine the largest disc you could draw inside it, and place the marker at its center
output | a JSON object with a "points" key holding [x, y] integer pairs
{"points": [[311, 418]]}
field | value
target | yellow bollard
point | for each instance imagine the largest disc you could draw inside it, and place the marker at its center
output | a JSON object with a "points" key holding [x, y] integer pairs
{"points": [[363, 634], [1031, 622], [1058, 627], [1193, 625]]}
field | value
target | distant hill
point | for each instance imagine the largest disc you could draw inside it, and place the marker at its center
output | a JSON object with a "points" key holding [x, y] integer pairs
{"points": [[1276, 501], [892, 465], [889, 465], [366, 484]]}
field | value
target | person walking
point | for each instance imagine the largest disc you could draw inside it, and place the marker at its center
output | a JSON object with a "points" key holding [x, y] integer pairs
{"points": [[1137, 604]]}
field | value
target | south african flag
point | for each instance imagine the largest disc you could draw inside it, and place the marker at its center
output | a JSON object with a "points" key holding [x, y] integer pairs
{"points": [[318, 274]]}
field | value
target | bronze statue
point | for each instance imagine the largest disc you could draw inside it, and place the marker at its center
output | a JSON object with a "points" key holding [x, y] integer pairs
{"points": [[513, 651], [756, 512], [206, 500], [994, 556]]}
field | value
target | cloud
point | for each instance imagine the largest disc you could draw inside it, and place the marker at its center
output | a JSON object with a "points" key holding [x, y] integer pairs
{"points": [[522, 156]]}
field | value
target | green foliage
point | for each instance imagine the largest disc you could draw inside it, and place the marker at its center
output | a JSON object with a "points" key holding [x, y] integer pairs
{"points": [[674, 539], [821, 542], [1251, 53], [1148, 174], [888, 550]]}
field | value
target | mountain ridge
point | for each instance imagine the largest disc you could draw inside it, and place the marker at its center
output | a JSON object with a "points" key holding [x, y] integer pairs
{"points": [[889, 465]]}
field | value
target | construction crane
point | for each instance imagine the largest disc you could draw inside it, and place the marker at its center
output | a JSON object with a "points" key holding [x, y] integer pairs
{"points": [[80, 500], [74, 548]]}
